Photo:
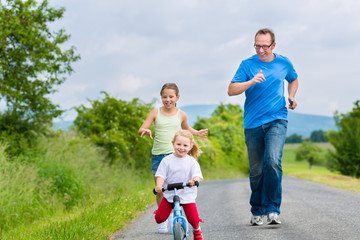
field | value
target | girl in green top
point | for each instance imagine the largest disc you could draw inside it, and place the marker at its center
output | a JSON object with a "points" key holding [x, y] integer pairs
{"points": [[167, 119]]}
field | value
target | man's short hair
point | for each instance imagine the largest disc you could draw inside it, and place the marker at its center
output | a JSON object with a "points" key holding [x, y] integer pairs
{"points": [[266, 31]]}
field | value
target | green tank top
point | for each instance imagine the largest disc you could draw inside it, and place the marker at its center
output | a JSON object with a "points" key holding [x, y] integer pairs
{"points": [[165, 129]]}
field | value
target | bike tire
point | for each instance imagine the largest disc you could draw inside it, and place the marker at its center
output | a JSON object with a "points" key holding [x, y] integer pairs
{"points": [[179, 231]]}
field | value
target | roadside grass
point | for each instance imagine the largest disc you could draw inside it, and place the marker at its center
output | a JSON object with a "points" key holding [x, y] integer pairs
{"points": [[33, 207], [319, 174], [96, 220]]}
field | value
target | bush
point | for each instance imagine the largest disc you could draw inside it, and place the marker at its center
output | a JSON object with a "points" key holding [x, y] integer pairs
{"points": [[318, 136], [294, 138], [225, 145], [346, 142], [310, 153], [113, 124]]}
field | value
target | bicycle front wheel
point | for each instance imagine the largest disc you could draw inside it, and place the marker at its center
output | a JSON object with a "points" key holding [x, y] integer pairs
{"points": [[179, 231]]}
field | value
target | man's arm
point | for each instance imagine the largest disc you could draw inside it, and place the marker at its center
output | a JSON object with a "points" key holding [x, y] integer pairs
{"points": [[292, 88], [236, 88]]}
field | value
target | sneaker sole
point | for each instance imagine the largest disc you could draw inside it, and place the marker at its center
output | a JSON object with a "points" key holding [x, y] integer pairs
{"points": [[274, 222], [256, 224]]}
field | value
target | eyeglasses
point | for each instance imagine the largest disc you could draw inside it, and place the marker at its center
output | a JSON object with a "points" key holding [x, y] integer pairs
{"points": [[265, 47]]}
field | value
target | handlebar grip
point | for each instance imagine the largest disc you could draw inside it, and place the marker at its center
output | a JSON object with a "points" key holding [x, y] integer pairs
{"points": [[172, 186], [197, 183], [163, 189]]}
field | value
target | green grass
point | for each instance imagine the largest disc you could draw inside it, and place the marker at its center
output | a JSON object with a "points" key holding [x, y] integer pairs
{"points": [[319, 174], [63, 190], [95, 221]]}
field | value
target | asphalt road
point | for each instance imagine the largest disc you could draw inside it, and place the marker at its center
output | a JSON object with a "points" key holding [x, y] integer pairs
{"points": [[309, 211]]}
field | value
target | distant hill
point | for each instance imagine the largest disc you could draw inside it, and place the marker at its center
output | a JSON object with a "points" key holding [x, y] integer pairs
{"points": [[301, 124]]}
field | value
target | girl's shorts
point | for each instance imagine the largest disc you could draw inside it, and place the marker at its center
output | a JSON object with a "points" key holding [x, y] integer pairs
{"points": [[155, 161]]}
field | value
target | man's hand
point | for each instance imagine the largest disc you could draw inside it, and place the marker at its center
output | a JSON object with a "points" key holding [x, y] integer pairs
{"points": [[258, 78], [292, 103]]}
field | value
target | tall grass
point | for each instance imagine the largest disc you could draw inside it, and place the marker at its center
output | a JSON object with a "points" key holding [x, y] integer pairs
{"points": [[23, 196], [64, 189]]}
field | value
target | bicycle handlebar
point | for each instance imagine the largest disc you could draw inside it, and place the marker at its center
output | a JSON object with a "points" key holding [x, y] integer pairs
{"points": [[180, 185]]}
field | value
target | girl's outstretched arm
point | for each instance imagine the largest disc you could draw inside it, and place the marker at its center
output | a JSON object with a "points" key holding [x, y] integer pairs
{"points": [[144, 129], [185, 125]]}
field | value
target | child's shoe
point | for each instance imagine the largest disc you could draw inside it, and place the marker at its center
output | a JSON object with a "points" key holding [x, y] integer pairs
{"points": [[163, 227], [198, 234]]}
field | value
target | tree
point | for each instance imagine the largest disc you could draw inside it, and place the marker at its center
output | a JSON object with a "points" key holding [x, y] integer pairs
{"points": [[318, 136], [346, 142], [294, 138], [225, 145], [113, 124], [32, 63], [309, 152]]}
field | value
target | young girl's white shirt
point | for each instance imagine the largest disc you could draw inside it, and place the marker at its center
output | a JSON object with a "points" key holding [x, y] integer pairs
{"points": [[174, 170]]}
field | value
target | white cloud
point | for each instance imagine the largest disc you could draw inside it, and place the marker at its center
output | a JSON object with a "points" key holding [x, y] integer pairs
{"points": [[130, 83], [131, 48]]}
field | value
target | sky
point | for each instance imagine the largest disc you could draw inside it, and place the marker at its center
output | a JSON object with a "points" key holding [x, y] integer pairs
{"points": [[130, 48]]}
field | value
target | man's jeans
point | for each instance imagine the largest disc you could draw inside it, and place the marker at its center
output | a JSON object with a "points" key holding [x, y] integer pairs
{"points": [[265, 145]]}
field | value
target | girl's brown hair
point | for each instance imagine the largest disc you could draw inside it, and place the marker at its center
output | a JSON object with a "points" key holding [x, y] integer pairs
{"points": [[195, 150], [172, 86]]}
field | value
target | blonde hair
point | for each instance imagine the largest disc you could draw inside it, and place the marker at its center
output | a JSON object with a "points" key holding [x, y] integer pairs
{"points": [[195, 150]]}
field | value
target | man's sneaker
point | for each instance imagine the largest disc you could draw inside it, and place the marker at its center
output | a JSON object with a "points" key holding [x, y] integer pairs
{"points": [[163, 227], [198, 234], [256, 220], [273, 218]]}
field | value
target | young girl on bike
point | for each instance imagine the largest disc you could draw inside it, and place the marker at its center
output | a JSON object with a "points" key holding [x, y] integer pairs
{"points": [[181, 166], [167, 120]]}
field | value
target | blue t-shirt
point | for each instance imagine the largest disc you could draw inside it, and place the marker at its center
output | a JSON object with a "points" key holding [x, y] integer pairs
{"points": [[265, 102]]}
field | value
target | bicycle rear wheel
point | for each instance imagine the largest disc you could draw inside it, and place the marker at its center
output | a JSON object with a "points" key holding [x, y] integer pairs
{"points": [[179, 231]]}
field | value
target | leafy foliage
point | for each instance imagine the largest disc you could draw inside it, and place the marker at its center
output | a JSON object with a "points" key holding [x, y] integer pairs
{"points": [[113, 124], [318, 136], [346, 142], [225, 145], [294, 138], [309, 152], [32, 64]]}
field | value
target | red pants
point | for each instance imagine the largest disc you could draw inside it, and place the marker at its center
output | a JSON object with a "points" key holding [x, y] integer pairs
{"points": [[164, 210]]}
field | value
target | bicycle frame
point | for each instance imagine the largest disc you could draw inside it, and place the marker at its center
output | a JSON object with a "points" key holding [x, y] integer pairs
{"points": [[179, 216]]}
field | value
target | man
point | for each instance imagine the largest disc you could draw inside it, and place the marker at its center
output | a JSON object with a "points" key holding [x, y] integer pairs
{"points": [[262, 77]]}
